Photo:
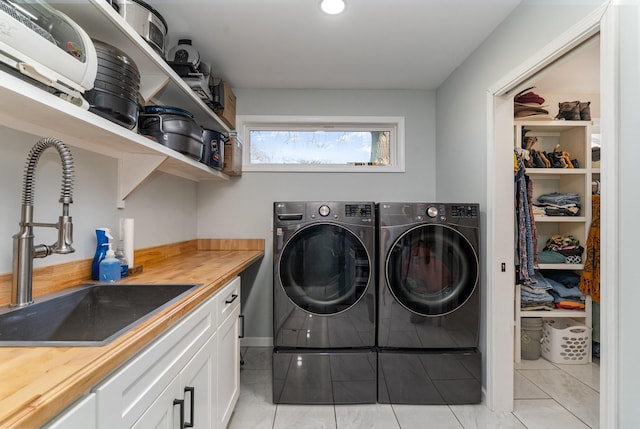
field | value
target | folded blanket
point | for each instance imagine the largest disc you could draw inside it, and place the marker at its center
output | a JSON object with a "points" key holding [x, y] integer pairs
{"points": [[564, 291], [567, 278]]}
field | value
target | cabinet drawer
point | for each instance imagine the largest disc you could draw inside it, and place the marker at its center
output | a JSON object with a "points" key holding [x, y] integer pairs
{"points": [[124, 397], [228, 299]]}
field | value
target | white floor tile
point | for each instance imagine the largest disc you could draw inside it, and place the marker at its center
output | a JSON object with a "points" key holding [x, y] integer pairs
{"points": [[305, 416], [369, 416], [257, 358], [545, 414], [254, 409], [255, 386], [548, 396], [534, 364], [525, 389], [254, 416], [572, 394], [588, 373], [417, 417], [480, 417]]}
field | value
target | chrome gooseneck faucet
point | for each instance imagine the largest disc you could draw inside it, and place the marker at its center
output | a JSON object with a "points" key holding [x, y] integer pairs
{"points": [[23, 248]]}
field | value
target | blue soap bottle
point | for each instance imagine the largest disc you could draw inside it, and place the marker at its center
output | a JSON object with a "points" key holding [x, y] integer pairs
{"points": [[109, 268], [103, 236]]}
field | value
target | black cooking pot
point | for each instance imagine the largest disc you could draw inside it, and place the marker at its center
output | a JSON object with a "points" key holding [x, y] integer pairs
{"points": [[111, 53], [113, 107], [116, 87], [162, 110], [177, 131]]}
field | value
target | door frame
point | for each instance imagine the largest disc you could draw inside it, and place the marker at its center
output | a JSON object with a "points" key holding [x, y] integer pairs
{"points": [[500, 223]]}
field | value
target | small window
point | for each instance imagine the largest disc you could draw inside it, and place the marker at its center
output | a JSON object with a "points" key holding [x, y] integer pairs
{"points": [[342, 144]]}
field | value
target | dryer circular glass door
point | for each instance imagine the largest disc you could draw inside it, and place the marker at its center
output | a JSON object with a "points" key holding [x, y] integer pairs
{"points": [[324, 269], [432, 270]]}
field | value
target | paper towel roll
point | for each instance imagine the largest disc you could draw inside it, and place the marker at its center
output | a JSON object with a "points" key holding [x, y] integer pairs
{"points": [[127, 237]]}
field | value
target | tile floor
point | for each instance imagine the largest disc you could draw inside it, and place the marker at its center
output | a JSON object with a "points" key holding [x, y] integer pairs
{"points": [[547, 396]]}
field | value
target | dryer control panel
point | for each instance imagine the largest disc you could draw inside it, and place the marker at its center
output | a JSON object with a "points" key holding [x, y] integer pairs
{"points": [[465, 211]]}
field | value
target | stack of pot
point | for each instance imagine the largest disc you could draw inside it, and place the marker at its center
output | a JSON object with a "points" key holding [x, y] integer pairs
{"points": [[115, 91]]}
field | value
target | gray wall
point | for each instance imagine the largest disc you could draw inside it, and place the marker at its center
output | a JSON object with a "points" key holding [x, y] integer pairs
{"points": [[163, 207], [462, 107], [465, 91], [243, 207]]}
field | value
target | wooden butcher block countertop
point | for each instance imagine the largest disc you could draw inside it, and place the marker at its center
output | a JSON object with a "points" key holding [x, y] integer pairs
{"points": [[36, 383]]}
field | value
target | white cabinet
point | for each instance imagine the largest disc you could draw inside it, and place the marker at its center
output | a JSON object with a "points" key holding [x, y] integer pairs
{"points": [[573, 137], [199, 387], [228, 351], [191, 372], [162, 412], [125, 396], [79, 415], [137, 155], [190, 399]]}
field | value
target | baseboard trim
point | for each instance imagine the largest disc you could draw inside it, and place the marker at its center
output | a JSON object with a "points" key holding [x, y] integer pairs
{"points": [[256, 342]]}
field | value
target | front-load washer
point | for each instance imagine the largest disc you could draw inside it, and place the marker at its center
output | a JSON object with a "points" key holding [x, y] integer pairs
{"points": [[324, 302], [428, 303]]}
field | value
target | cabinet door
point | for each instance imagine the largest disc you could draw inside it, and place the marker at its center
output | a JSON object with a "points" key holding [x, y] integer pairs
{"points": [[162, 413], [80, 415], [198, 383], [228, 366], [130, 391]]}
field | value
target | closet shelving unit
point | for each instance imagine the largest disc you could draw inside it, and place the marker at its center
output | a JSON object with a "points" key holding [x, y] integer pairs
{"points": [[29, 109], [575, 138]]}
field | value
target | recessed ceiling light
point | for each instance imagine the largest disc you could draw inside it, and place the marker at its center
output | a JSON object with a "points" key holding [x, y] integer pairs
{"points": [[332, 7]]}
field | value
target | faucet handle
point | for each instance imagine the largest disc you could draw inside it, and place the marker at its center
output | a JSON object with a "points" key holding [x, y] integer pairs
{"points": [[65, 236]]}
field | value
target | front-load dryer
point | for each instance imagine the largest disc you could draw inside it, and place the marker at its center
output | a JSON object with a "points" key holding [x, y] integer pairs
{"points": [[429, 303], [324, 302]]}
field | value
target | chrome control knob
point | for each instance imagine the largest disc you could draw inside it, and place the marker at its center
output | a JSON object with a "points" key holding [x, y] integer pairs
{"points": [[324, 210], [432, 211]]}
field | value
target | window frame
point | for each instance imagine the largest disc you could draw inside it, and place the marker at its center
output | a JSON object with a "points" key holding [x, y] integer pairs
{"points": [[394, 123]]}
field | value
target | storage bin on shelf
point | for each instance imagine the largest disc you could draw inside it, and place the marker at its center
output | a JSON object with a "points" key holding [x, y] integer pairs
{"points": [[565, 341]]}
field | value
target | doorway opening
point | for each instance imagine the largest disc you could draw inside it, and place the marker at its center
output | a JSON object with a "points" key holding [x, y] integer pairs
{"points": [[500, 356]]}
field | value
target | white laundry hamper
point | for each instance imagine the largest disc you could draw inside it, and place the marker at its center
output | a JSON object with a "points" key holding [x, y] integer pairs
{"points": [[565, 341]]}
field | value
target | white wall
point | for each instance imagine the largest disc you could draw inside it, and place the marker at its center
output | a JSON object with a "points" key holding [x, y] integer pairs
{"points": [[164, 207], [242, 208], [628, 176], [462, 104]]}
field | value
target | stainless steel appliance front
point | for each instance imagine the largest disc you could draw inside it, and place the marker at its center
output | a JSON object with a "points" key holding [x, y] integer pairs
{"points": [[324, 309]]}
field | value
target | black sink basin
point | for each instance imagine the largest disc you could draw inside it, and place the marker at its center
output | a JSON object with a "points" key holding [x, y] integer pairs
{"points": [[90, 315]]}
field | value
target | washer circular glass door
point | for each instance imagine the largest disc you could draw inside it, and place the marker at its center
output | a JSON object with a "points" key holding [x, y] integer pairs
{"points": [[324, 269], [432, 270]]}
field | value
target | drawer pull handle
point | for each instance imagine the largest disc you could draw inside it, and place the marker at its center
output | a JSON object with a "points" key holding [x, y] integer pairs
{"points": [[180, 402], [192, 391], [233, 298], [241, 317]]}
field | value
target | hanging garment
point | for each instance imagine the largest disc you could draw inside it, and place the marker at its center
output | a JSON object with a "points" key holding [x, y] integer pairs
{"points": [[590, 277], [526, 232]]}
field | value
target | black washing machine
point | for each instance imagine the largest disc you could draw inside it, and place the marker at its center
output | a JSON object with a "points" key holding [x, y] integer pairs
{"points": [[324, 303], [428, 303]]}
